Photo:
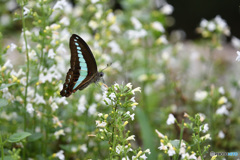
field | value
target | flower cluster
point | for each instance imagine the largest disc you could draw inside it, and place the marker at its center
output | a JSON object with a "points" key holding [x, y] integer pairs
{"points": [[112, 126]]}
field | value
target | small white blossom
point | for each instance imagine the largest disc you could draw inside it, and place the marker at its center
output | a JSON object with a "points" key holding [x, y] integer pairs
{"points": [[162, 147], [132, 137], [92, 109], [94, 1], [143, 156], [171, 151], [93, 24], [51, 53], [119, 149], [100, 114], [112, 96], [57, 134], [204, 128], [54, 106], [136, 23], [13, 46], [115, 48], [167, 9], [60, 155], [238, 56], [39, 99], [221, 90], [25, 11], [207, 136], [101, 124], [158, 26], [171, 119], [221, 134], [200, 95], [138, 89], [160, 135], [222, 110], [235, 42], [129, 85], [30, 108], [84, 148], [82, 103]]}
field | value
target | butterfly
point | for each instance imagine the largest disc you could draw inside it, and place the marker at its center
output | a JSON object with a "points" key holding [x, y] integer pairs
{"points": [[83, 69]]}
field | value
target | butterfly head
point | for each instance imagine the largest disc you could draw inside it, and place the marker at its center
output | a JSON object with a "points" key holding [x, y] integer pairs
{"points": [[100, 74]]}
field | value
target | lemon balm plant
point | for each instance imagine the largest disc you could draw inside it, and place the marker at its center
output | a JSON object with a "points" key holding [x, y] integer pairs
{"points": [[112, 127]]}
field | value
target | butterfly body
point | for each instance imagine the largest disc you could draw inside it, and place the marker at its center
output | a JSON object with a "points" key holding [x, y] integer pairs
{"points": [[83, 69]]}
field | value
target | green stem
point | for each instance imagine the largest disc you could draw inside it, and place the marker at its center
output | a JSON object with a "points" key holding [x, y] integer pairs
{"points": [[181, 136], [27, 71], [1, 144]]}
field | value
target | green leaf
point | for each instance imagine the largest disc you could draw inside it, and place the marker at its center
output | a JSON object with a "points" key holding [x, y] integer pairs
{"points": [[3, 102], [175, 143], [147, 133], [7, 85], [16, 137], [35, 137]]}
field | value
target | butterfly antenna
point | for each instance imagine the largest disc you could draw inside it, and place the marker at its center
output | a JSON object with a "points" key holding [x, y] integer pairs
{"points": [[108, 65]]}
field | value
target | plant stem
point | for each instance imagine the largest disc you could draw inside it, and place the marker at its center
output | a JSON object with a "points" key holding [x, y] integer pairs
{"points": [[1, 144], [27, 71], [181, 135]]}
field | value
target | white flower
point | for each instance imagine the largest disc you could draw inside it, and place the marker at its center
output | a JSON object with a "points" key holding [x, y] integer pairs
{"points": [[119, 149], [93, 24], [147, 151], [59, 133], [39, 99], [129, 85], [211, 26], [162, 147], [200, 95], [138, 89], [51, 53], [207, 136], [25, 11], [57, 122], [112, 96], [143, 156], [61, 49], [203, 23], [82, 103], [204, 128], [222, 110], [30, 108], [167, 9], [116, 86], [13, 46], [221, 90], [202, 117], [160, 135], [238, 56], [158, 26], [171, 119], [61, 100], [135, 34], [100, 114], [221, 134], [136, 23], [101, 124], [171, 151], [94, 1], [60, 5], [235, 42], [92, 109], [84, 148], [115, 47], [65, 21], [8, 64], [60, 155], [54, 106], [132, 137]]}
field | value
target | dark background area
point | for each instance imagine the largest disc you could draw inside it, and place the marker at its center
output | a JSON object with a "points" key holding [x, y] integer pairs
{"points": [[189, 13]]}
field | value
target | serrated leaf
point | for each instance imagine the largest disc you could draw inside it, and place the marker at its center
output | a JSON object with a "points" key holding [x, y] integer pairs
{"points": [[3, 102], [7, 85], [16, 137]]}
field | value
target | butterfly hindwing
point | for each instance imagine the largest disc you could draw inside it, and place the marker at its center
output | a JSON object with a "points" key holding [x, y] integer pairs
{"points": [[83, 66]]}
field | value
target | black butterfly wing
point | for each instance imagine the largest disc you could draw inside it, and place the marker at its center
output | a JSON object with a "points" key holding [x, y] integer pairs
{"points": [[83, 67]]}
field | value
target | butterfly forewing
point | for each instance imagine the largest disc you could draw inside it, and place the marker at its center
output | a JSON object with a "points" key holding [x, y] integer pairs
{"points": [[83, 66]]}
